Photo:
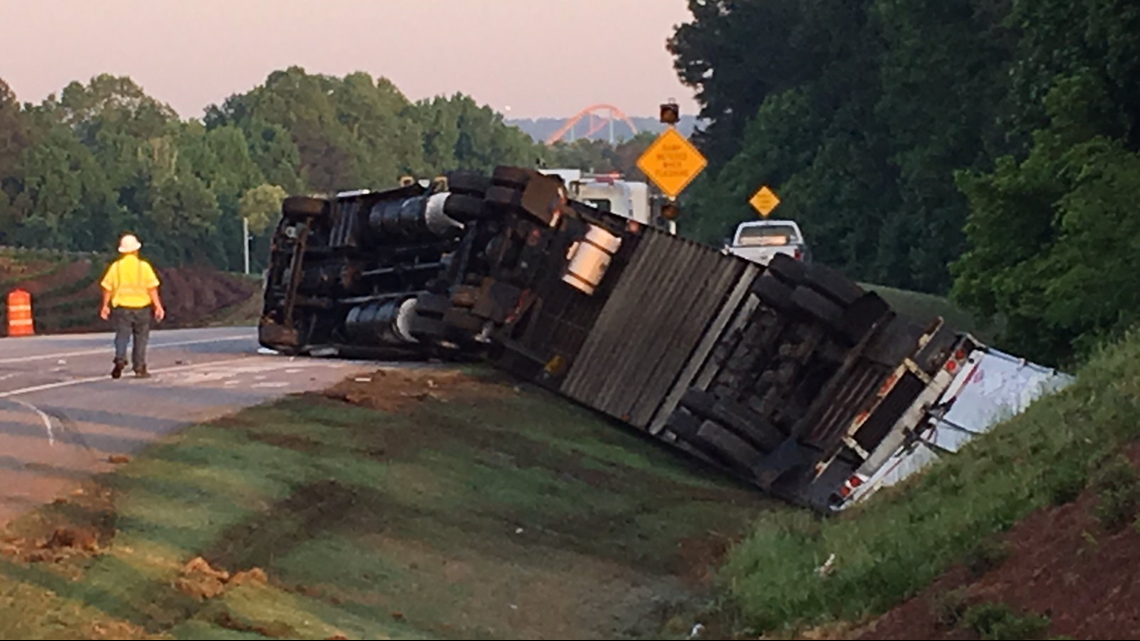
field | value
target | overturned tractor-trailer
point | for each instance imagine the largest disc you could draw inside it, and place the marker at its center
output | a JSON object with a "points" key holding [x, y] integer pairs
{"points": [[789, 376]]}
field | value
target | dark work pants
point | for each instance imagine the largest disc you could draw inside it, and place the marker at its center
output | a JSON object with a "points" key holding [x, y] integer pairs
{"points": [[131, 322]]}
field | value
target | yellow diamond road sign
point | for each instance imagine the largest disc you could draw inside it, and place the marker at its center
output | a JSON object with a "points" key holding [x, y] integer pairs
{"points": [[672, 162], [764, 201]]}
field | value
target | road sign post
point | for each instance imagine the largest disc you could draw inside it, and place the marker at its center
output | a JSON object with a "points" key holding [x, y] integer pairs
{"points": [[764, 201]]}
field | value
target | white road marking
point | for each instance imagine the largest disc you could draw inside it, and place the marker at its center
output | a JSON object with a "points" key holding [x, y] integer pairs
{"points": [[229, 372], [96, 379], [7, 376], [272, 384], [93, 352], [43, 417]]}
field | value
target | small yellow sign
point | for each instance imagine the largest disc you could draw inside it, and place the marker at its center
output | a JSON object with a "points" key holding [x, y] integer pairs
{"points": [[672, 162], [764, 201]]}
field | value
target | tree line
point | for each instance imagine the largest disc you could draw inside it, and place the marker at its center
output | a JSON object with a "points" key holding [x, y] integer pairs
{"points": [[982, 148], [102, 158]]}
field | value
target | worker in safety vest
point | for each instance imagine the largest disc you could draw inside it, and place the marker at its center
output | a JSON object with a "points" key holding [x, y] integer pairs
{"points": [[130, 298]]}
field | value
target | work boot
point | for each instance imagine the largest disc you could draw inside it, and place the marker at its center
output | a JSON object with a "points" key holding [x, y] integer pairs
{"points": [[117, 372], [142, 373]]}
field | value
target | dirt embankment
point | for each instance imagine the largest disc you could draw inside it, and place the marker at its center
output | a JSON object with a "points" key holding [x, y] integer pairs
{"points": [[65, 293], [1060, 572]]}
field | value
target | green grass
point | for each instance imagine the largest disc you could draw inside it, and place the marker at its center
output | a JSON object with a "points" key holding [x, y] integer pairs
{"points": [[506, 516], [925, 307], [998, 622], [891, 548]]}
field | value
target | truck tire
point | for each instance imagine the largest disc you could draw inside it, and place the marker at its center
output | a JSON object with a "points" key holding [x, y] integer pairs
{"points": [[504, 197], [432, 305], [427, 328], [832, 284], [860, 317], [684, 425], [752, 427], [468, 183], [463, 208], [463, 320], [427, 321], [818, 307], [303, 206], [789, 270], [698, 402], [514, 178], [767, 404], [773, 293], [731, 448], [734, 417]]}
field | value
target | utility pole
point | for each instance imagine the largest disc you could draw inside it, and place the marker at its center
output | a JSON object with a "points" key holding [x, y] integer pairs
{"points": [[245, 242]]}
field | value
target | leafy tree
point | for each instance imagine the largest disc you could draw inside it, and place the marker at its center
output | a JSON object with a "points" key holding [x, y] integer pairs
{"points": [[375, 115], [70, 202], [110, 103], [14, 140], [735, 54], [261, 205], [939, 121], [1054, 236], [588, 155], [460, 134]]}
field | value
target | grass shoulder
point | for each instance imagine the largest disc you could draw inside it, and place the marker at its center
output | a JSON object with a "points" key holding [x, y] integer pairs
{"points": [[418, 504]]}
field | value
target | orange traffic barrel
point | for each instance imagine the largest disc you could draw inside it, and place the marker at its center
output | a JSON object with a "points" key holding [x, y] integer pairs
{"points": [[20, 313]]}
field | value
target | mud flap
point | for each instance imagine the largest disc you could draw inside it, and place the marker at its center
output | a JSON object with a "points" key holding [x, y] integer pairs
{"points": [[542, 198]]}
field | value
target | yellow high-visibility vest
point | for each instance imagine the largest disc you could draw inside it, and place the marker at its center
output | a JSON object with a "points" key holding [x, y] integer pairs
{"points": [[129, 279]]}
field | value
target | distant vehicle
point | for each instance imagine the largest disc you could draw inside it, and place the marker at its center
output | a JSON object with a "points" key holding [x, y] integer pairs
{"points": [[613, 194], [760, 241]]}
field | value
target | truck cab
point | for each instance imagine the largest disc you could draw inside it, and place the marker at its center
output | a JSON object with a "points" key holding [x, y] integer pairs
{"points": [[613, 194], [760, 241]]}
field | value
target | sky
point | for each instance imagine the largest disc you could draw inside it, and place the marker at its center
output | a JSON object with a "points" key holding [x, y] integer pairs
{"points": [[525, 58]]}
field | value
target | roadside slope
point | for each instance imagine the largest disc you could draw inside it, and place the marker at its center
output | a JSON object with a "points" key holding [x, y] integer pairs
{"points": [[408, 504], [65, 292], [908, 537]]}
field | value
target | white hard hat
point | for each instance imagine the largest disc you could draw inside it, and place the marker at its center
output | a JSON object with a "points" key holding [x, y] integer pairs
{"points": [[129, 244]]}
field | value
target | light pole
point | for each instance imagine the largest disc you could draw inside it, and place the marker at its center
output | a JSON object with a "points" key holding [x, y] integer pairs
{"points": [[245, 242]]}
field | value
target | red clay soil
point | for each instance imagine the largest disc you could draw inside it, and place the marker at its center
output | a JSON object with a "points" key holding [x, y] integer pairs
{"points": [[191, 295], [39, 285], [1062, 564], [12, 268]]}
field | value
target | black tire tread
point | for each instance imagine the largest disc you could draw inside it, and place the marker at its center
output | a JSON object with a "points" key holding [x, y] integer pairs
{"points": [[773, 293], [303, 206], [818, 307], [512, 177], [789, 270], [504, 196], [731, 447], [463, 207], [832, 283], [468, 183]]}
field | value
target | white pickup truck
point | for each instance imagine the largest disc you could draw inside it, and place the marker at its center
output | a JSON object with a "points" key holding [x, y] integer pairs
{"points": [[759, 241]]}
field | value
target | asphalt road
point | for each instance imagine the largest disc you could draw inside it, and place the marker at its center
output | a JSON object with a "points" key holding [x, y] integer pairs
{"points": [[62, 416]]}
